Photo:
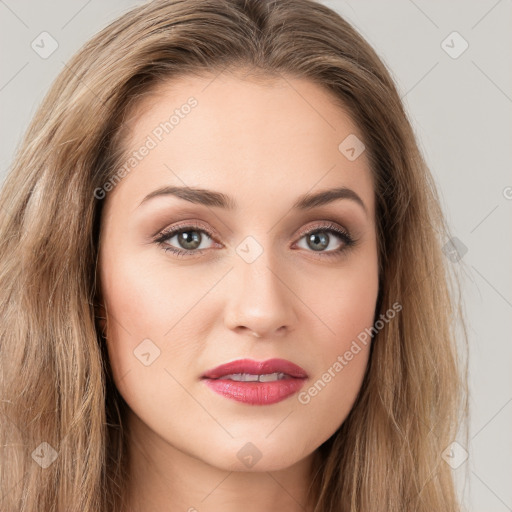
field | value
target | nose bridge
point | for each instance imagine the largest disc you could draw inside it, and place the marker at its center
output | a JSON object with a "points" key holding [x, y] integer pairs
{"points": [[260, 299]]}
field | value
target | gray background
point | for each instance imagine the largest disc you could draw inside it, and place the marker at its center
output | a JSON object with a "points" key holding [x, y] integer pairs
{"points": [[461, 109]]}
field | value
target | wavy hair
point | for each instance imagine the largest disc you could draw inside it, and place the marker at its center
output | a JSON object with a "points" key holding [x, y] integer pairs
{"points": [[56, 384]]}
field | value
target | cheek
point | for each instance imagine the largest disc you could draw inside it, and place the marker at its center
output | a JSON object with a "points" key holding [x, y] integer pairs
{"points": [[153, 308], [345, 304], [142, 309], [352, 305], [147, 297], [340, 361], [343, 301]]}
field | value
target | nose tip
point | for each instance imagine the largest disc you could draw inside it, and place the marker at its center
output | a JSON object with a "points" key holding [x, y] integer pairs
{"points": [[259, 303]]}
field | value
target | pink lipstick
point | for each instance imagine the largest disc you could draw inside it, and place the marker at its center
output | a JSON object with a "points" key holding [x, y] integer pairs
{"points": [[256, 382]]}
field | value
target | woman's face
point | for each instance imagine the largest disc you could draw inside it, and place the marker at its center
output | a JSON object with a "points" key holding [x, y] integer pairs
{"points": [[258, 256]]}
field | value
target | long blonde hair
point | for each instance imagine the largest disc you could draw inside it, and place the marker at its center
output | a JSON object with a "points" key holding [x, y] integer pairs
{"points": [[56, 384]]}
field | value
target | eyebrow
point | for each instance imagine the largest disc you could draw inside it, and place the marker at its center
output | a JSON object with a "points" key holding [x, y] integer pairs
{"points": [[219, 200]]}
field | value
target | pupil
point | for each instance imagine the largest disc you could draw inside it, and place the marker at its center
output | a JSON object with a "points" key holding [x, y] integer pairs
{"points": [[317, 238], [192, 240], [189, 242]]}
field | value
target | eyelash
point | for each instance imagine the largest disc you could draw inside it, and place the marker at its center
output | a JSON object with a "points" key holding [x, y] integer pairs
{"points": [[329, 228]]}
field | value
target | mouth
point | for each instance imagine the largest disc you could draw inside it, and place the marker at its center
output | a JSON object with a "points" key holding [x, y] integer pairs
{"points": [[248, 377], [256, 383]]}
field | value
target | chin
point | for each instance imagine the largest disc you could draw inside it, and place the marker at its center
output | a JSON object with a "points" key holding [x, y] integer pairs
{"points": [[258, 456]]}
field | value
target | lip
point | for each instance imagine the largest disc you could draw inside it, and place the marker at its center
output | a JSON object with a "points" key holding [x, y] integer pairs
{"points": [[256, 368], [256, 393]]}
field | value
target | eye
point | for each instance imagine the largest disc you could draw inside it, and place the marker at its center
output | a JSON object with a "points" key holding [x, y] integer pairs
{"points": [[189, 239], [323, 238]]}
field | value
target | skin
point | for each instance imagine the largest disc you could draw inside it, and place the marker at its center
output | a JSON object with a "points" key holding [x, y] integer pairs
{"points": [[264, 143]]}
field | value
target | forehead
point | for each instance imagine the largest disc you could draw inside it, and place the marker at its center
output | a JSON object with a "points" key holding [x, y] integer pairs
{"points": [[258, 137], [246, 100]]}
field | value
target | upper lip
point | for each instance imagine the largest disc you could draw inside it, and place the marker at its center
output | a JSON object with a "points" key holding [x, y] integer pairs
{"points": [[256, 368]]}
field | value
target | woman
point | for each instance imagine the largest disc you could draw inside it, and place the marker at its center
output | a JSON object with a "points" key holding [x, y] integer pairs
{"points": [[222, 279]]}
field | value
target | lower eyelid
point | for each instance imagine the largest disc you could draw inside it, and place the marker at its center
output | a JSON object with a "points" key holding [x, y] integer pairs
{"points": [[166, 236], [182, 253]]}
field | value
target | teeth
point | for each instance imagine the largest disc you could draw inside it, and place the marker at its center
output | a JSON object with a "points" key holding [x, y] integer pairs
{"points": [[242, 377], [247, 377], [271, 377]]}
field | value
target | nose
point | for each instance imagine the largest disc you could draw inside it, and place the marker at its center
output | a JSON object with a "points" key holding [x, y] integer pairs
{"points": [[261, 298]]}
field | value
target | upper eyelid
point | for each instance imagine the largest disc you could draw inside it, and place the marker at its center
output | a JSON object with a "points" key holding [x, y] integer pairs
{"points": [[174, 230], [328, 227]]}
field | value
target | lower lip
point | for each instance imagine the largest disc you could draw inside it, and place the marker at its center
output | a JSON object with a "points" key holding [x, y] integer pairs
{"points": [[256, 393]]}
